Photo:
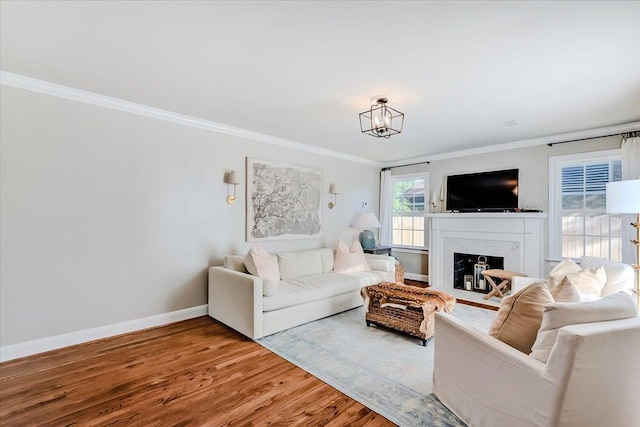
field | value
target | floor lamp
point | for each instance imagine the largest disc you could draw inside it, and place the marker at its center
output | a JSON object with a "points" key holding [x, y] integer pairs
{"points": [[623, 197]]}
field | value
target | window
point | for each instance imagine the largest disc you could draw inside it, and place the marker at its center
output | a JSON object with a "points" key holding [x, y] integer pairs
{"points": [[579, 224], [408, 209]]}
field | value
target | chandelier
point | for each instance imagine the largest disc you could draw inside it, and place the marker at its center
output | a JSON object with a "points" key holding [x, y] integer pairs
{"points": [[381, 120]]}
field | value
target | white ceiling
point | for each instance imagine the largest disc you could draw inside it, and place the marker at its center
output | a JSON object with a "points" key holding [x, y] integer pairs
{"points": [[303, 71]]}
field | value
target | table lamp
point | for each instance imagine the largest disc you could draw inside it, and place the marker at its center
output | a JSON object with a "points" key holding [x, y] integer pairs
{"points": [[367, 237]]}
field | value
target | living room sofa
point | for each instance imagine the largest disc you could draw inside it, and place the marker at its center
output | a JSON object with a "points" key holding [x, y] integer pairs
{"points": [[591, 376], [309, 290]]}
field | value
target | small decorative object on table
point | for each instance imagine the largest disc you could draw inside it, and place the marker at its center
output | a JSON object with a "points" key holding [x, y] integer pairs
{"points": [[404, 308]]}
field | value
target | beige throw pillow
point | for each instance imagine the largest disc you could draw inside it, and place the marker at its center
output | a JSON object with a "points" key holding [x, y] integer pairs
{"points": [[261, 263], [348, 260], [566, 292], [520, 315], [556, 315], [589, 282], [560, 271]]}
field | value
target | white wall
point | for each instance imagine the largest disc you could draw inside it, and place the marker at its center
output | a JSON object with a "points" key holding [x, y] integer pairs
{"points": [[533, 165], [108, 217]]}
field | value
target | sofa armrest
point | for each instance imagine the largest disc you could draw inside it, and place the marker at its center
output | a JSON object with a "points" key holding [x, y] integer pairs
{"points": [[519, 283], [487, 382], [381, 262], [235, 299]]}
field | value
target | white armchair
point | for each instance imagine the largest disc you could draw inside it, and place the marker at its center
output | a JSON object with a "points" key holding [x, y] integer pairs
{"points": [[592, 377]]}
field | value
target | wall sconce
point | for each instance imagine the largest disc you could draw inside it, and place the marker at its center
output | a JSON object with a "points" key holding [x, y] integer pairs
{"points": [[333, 189], [231, 179]]}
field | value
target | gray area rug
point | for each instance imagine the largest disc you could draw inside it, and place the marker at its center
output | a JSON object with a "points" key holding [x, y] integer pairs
{"points": [[388, 372]]}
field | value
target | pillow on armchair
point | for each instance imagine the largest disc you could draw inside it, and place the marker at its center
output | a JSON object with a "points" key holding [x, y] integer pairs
{"points": [[520, 316], [557, 315], [620, 276]]}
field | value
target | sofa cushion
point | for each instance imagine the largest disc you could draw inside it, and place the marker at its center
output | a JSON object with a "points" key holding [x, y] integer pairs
{"points": [[620, 276], [566, 292], [562, 269], [348, 260], [520, 315], [316, 287], [620, 305], [261, 263], [326, 254], [300, 263]]}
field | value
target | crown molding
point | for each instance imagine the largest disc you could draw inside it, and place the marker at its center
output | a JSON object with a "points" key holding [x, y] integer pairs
{"points": [[551, 139], [66, 92]]}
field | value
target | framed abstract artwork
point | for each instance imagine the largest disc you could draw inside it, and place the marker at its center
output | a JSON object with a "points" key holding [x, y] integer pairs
{"points": [[284, 201]]}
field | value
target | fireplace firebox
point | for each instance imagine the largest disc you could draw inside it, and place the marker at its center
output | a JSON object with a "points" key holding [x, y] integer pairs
{"points": [[467, 268]]}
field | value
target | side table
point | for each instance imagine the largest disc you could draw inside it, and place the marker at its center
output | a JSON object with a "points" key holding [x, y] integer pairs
{"points": [[379, 250]]}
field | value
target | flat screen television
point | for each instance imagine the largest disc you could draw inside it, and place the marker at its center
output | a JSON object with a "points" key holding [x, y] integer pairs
{"points": [[495, 191]]}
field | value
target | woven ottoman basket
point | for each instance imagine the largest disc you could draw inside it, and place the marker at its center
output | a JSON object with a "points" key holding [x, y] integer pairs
{"points": [[404, 308]]}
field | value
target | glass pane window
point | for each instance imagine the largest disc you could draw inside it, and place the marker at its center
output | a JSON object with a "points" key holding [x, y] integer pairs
{"points": [[408, 211], [585, 229]]}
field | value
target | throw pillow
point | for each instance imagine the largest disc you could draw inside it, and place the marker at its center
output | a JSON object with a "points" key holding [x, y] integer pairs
{"points": [[261, 263], [589, 282], [349, 260], [520, 315], [559, 271], [556, 315], [620, 276], [566, 292]]}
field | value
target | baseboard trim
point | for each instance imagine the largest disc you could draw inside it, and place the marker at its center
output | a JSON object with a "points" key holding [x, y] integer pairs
{"points": [[418, 277], [29, 348]]}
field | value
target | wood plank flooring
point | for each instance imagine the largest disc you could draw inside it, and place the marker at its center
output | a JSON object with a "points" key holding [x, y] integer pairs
{"points": [[196, 372]]}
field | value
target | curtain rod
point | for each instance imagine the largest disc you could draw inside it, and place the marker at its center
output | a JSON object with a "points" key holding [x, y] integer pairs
{"points": [[408, 164], [550, 144]]}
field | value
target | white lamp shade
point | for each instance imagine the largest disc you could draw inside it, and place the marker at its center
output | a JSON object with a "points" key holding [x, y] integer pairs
{"points": [[333, 189], [623, 196], [434, 197], [367, 220], [232, 177]]}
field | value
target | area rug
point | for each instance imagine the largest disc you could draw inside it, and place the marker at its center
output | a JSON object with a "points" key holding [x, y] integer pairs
{"points": [[387, 372]]}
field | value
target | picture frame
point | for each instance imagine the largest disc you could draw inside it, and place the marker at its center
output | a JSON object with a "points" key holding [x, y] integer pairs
{"points": [[284, 201]]}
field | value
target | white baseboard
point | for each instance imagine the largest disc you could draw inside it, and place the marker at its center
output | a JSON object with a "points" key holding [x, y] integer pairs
{"points": [[28, 348], [419, 277]]}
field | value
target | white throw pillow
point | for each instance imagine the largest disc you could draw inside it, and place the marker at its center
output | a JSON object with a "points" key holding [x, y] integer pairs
{"points": [[559, 271], [620, 277], [589, 282], [566, 292], [559, 314], [261, 263], [349, 260]]}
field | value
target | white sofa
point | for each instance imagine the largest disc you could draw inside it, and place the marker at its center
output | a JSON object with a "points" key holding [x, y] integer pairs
{"points": [[309, 290], [592, 376]]}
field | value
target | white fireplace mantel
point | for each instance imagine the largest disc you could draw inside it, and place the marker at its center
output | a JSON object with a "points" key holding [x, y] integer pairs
{"points": [[518, 237]]}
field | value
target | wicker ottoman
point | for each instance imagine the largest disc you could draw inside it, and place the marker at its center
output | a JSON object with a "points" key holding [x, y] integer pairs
{"points": [[408, 309]]}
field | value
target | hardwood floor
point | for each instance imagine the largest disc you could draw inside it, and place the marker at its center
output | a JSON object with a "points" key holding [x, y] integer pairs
{"points": [[196, 372]]}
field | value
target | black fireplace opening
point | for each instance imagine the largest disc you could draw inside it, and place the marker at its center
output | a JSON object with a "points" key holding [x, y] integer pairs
{"points": [[467, 270]]}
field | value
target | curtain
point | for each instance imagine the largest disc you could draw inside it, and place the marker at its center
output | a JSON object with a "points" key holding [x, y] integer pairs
{"points": [[630, 151], [631, 155], [385, 207]]}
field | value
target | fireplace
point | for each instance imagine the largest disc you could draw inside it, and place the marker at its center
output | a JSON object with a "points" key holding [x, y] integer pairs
{"points": [[466, 273], [516, 237]]}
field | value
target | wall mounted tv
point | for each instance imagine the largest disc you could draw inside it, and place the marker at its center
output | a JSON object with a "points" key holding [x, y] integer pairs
{"points": [[495, 191]]}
